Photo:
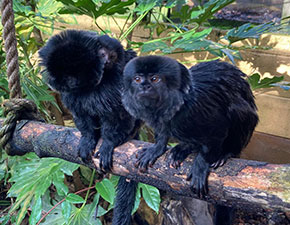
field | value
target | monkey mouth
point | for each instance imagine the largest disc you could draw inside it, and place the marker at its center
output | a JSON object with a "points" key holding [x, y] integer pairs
{"points": [[146, 95], [148, 99]]}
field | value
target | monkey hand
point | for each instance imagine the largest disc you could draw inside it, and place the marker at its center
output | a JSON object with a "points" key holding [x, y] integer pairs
{"points": [[105, 155], [198, 175], [86, 147], [147, 157]]}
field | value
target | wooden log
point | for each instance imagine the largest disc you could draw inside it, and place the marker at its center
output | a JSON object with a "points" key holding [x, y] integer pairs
{"points": [[243, 183]]}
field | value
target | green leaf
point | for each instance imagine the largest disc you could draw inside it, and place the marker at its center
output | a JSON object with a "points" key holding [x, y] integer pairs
{"points": [[66, 208], [196, 14], [95, 9], [5, 219], [137, 200], [58, 181], [153, 46], [191, 45], [21, 9], [151, 196], [247, 30], [257, 82], [101, 211], [55, 218], [106, 189], [36, 212], [114, 179], [47, 8], [68, 167], [145, 5], [75, 199], [86, 172], [92, 207]]}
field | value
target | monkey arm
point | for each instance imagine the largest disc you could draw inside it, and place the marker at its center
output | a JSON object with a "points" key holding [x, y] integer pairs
{"points": [[90, 131], [147, 156]]}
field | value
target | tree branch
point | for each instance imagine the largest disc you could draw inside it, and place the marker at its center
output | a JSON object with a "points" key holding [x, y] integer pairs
{"points": [[242, 183]]}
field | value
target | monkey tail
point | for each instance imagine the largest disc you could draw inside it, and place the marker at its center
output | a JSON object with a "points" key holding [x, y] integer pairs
{"points": [[125, 199]]}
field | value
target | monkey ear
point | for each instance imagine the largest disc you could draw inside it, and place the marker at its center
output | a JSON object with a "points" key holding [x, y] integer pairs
{"points": [[185, 79]]}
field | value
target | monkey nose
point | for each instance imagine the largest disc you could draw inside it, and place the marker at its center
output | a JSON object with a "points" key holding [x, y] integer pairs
{"points": [[146, 87]]}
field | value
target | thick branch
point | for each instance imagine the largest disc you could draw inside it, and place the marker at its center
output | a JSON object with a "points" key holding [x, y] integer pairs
{"points": [[242, 183]]}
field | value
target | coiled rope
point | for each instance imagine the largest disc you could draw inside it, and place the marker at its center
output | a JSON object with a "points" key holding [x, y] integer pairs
{"points": [[16, 108]]}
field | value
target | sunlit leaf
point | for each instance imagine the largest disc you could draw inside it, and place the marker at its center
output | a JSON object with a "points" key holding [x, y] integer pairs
{"points": [[153, 46], [247, 31], [257, 82]]}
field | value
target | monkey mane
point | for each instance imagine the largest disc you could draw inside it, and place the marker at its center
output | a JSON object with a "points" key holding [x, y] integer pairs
{"points": [[73, 54], [177, 75]]}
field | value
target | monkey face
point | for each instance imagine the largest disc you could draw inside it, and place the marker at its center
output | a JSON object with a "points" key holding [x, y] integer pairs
{"points": [[148, 88], [74, 61], [150, 79]]}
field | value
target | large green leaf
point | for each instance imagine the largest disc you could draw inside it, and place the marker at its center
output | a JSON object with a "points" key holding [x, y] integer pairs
{"points": [[106, 189], [151, 196], [137, 200], [31, 177], [153, 46], [95, 8], [200, 14], [36, 212], [47, 8], [145, 5], [257, 82], [247, 30]]}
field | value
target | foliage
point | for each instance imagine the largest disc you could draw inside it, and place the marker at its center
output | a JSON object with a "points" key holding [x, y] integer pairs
{"points": [[257, 82], [39, 185]]}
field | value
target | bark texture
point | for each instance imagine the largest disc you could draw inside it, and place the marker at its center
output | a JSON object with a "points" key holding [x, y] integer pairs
{"points": [[244, 183]]}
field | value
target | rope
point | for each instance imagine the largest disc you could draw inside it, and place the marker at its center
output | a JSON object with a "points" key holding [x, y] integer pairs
{"points": [[15, 110], [10, 41]]}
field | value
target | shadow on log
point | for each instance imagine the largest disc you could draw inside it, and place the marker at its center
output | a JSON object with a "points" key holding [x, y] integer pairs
{"points": [[244, 183]]}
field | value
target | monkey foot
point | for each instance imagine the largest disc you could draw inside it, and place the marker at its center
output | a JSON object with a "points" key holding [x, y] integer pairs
{"points": [[146, 157], [178, 154], [198, 175], [220, 162], [105, 155]]}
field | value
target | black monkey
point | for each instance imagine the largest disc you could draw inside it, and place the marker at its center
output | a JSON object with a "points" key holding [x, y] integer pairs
{"points": [[210, 109], [86, 69]]}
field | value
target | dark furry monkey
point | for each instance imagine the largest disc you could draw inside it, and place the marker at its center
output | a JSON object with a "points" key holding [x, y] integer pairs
{"points": [[86, 69], [210, 109]]}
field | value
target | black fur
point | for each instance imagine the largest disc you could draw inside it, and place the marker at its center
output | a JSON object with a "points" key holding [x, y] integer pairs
{"points": [[125, 199], [210, 109], [86, 69]]}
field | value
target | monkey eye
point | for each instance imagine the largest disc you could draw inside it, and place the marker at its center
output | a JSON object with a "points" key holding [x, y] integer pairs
{"points": [[102, 53], [137, 79], [155, 79], [113, 56]]}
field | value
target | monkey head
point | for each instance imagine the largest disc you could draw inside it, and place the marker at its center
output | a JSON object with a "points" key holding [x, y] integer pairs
{"points": [[111, 51], [155, 84], [75, 60]]}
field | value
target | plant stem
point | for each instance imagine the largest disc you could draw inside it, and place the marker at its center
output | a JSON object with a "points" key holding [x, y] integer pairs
{"points": [[133, 25], [88, 191]]}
